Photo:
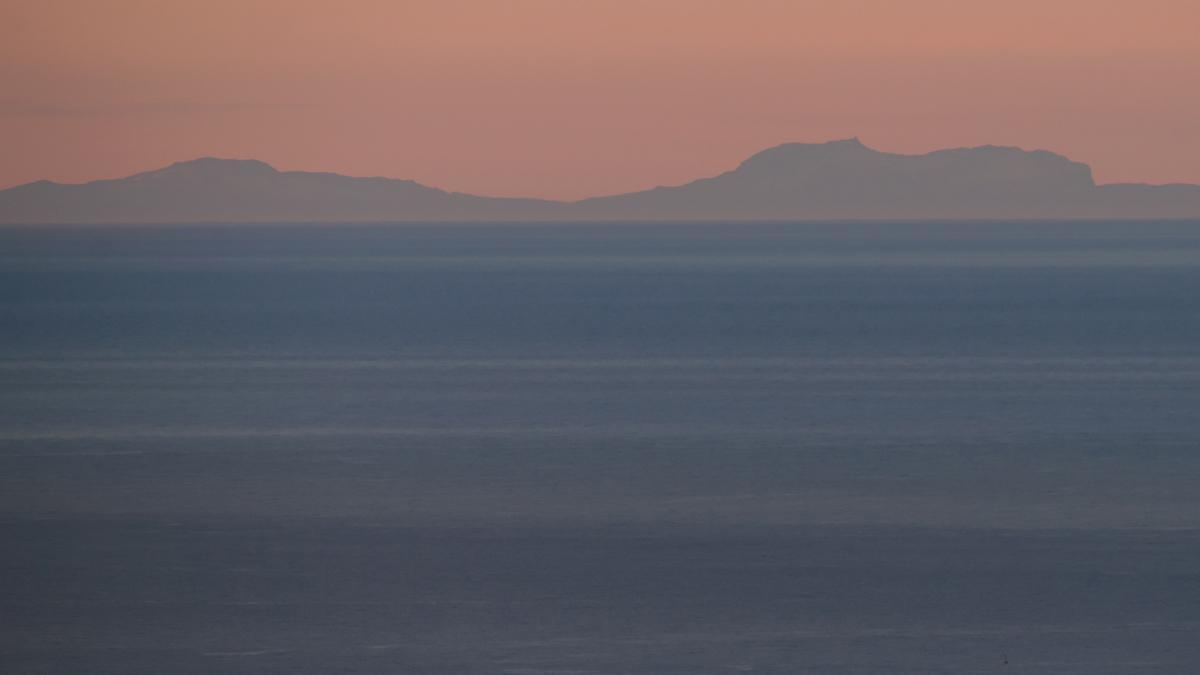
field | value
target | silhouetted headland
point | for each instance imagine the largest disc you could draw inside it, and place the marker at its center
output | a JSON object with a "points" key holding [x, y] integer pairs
{"points": [[795, 181]]}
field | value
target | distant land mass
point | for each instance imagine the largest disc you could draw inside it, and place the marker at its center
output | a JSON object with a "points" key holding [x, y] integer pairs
{"points": [[795, 181]]}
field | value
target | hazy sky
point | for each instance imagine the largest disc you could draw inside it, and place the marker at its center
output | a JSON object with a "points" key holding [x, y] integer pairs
{"points": [[568, 98]]}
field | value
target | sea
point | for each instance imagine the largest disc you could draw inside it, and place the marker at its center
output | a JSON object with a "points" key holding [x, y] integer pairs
{"points": [[839, 448]]}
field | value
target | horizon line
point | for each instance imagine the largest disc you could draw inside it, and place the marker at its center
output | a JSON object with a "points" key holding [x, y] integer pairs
{"points": [[852, 140]]}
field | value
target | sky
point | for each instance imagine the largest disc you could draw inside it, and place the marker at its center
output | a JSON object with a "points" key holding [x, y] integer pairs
{"points": [[574, 98]]}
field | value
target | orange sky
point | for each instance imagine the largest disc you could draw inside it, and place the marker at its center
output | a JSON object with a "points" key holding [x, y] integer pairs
{"points": [[570, 98]]}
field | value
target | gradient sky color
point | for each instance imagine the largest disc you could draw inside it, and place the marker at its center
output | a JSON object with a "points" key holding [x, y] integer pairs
{"points": [[573, 98]]}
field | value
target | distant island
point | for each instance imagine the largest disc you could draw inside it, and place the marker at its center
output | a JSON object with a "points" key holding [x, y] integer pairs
{"points": [[795, 181]]}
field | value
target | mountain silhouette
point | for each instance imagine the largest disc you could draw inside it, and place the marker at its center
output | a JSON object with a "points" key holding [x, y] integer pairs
{"points": [[230, 190], [834, 180], [846, 179]]}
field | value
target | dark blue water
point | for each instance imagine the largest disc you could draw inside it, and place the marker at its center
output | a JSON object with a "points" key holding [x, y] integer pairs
{"points": [[777, 448]]}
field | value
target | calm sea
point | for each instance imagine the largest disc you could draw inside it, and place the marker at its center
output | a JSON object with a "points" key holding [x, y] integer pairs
{"points": [[616, 449]]}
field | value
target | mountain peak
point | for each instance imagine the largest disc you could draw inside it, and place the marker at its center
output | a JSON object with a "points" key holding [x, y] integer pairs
{"points": [[787, 154], [852, 144], [846, 142], [212, 167]]}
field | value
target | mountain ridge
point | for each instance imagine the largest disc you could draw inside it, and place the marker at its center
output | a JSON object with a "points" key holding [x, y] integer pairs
{"points": [[840, 179]]}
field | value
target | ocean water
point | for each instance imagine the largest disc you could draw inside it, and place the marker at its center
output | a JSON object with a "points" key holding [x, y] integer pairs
{"points": [[841, 448]]}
